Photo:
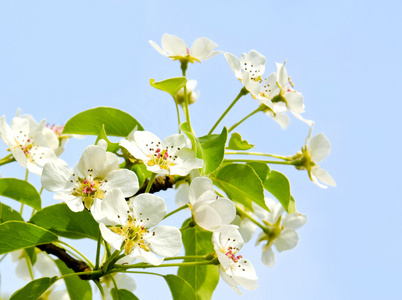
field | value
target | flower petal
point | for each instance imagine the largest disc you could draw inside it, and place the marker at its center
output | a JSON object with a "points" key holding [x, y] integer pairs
{"points": [[114, 207], [294, 221], [286, 240], [234, 64], [113, 239], [125, 180], [268, 257], [323, 176], [157, 48], [319, 147], [174, 45], [294, 102], [164, 241], [244, 274], [55, 176], [149, 208], [202, 48]]}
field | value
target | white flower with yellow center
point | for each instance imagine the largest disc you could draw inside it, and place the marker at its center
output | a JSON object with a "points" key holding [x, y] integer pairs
{"points": [[281, 232], [209, 211], [175, 48], [234, 269], [278, 94], [96, 173], [169, 156], [27, 143], [316, 149], [129, 225], [248, 69]]}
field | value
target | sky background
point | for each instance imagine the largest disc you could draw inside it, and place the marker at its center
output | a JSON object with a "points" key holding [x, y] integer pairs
{"points": [[58, 58]]}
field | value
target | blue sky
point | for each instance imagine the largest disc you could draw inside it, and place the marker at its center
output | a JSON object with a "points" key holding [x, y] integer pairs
{"points": [[60, 58]]}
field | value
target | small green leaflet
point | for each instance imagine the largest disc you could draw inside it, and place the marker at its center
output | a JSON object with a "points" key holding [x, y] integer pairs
{"points": [[279, 186], [180, 289], [111, 147], [171, 85], [122, 295], [34, 289], [9, 214], [21, 191], [237, 143], [90, 122], [77, 289]]}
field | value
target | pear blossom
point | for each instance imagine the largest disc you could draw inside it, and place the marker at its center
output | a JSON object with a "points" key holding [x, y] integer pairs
{"points": [[234, 269], [175, 48], [169, 156], [209, 211], [123, 281], [316, 149], [281, 232], [191, 94], [248, 69], [128, 225], [278, 94], [28, 143], [85, 186]]}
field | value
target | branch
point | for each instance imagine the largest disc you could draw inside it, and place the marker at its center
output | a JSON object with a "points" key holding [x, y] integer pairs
{"points": [[161, 183], [72, 263]]}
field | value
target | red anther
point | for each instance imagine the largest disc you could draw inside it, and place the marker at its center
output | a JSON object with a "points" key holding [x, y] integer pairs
{"points": [[158, 150], [188, 51], [92, 183], [166, 155], [85, 181]]}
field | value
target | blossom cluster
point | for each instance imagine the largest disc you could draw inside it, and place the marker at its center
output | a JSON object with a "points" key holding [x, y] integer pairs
{"points": [[113, 182]]}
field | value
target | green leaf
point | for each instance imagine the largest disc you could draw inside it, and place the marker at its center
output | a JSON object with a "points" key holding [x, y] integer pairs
{"points": [[123, 295], [18, 235], [31, 253], [237, 143], [77, 289], [203, 279], [180, 288], [21, 191], [279, 186], [171, 85], [213, 151], [142, 173], [62, 221], [261, 169], [9, 214], [241, 183], [111, 147], [34, 289], [89, 122], [210, 148]]}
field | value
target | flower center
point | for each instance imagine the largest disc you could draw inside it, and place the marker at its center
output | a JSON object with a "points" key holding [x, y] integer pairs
{"points": [[162, 158], [88, 189], [56, 129], [232, 255], [133, 233]]}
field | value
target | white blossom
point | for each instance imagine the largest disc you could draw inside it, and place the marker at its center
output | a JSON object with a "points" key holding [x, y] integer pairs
{"points": [[316, 149], [169, 156], [28, 143], [175, 48], [85, 186], [209, 211], [191, 94], [281, 232], [248, 69], [278, 94], [123, 281], [129, 225], [234, 269]]}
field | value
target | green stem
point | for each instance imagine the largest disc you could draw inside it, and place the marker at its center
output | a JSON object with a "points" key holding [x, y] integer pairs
{"points": [[7, 159], [260, 108], [243, 92], [151, 180], [4, 256], [116, 289], [29, 264], [261, 161], [78, 252], [186, 111], [41, 190], [80, 273], [187, 257], [176, 210], [251, 218], [98, 246], [26, 179], [178, 113], [258, 154], [139, 272], [184, 264], [100, 288]]}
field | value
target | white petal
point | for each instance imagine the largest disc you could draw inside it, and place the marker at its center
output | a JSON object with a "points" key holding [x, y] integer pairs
{"points": [[223, 259], [125, 180], [51, 138], [276, 210], [134, 150], [102, 143], [225, 208], [308, 122], [165, 242], [207, 218], [174, 45], [294, 102], [202, 48], [55, 176], [114, 207], [173, 143], [97, 159], [281, 118], [45, 265], [125, 282], [257, 59], [251, 85], [146, 140], [247, 229], [229, 280], [283, 78], [6, 133], [182, 196], [234, 63], [244, 274], [113, 239], [294, 221], [270, 88], [199, 186], [286, 240], [268, 257], [319, 147], [146, 256], [74, 203], [159, 49], [323, 176], [149, 208], [231, 238], [185, 162]]}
